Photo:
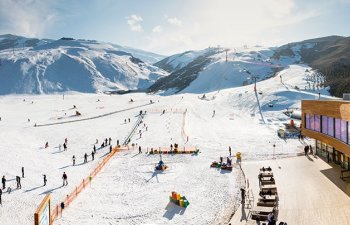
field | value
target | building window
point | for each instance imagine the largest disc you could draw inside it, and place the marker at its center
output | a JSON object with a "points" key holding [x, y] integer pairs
{"points": [[337, 128], [307, 124], [343, 131], [317, 121], [325, 124], [330, 126], [312, 122]]}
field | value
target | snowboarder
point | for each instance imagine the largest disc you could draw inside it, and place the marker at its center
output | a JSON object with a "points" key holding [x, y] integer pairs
{"points": [[22, 172], [3, 181], [65, 179], [93, 155], [85, 158], [140, 151], [229, 150], [45, 180], [109, 141], [18, 181], [73, 158], [94, 149]]}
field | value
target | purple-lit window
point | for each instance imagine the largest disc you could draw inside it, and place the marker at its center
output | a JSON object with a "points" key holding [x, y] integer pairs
{"points": [[343, 130], [330, 126], [307, 121], [317, 121], [325, 124], [312, 122], [337, 128], [349, 132]]}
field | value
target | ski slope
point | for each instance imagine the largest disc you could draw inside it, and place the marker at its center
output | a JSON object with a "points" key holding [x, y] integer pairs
{"points": [[127, 190]]}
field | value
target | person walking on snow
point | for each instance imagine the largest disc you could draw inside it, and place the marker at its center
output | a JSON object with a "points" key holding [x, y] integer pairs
{"points": [[64, 147], [140, 151], [109, 141], [22, 172], [65, 179], [110, 148], [0, 196], [85, 158], [93, 155], [3, 181], [94, 149], [18, 181], [45, 180], [73, 159]]}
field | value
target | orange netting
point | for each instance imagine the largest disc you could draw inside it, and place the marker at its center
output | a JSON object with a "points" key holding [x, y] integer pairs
{"points": [[74, 194]]}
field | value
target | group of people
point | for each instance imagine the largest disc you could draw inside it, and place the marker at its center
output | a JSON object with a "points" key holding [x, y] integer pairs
{"points": [[308, 149], [4, 180]]}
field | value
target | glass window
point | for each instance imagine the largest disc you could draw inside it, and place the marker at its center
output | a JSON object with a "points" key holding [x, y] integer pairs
{"points": [[307, 121], [337, 128], [312, 122], [317, 121], [349, 132], [325, 124], [343, 131], [330, 126]]}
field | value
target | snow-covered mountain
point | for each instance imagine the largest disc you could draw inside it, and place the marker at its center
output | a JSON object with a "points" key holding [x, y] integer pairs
{"points": [[46, 66], [208, 70]]}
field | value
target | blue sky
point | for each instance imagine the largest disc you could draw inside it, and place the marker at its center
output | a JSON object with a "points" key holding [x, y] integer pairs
{"points": [[172, 26]]}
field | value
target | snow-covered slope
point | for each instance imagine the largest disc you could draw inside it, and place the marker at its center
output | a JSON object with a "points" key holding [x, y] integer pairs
{"points": [[72, 65]]}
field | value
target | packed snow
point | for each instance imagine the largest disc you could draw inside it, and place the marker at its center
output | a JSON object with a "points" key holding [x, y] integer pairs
{"points": [[128, 190]]}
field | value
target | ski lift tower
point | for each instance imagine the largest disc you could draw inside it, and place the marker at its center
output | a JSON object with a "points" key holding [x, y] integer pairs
{"points": [[254, 77]]}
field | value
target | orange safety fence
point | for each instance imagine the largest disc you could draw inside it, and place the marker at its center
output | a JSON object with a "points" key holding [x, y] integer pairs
{"points": [[78, 189]]}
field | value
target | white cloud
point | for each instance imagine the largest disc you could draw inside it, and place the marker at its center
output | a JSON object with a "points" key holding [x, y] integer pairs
{"points": [[134, 22], [157, 29], [26, 17], [174, 21]]}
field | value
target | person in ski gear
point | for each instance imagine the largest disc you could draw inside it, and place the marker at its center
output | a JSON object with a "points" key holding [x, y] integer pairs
{"points": [[93, 155], [140, 151], [3, 181], [64, 147], [73, 159], [0, 196], [65, 179], [18, 181], [110, 148], [85, 158], [46, 144], [22, 172], [94, 149], [229, 150], [109, 141], [45, 180]]}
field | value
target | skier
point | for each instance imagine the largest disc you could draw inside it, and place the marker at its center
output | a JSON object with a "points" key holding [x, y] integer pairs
{"points": [[18, 180], [109, 141], [65, 179], [22, 172], [140, 151], [3, 181], [46, 144], [85, 158], [94, 149], [73, 158], [45, 180], [93, 155], [229, 150]]}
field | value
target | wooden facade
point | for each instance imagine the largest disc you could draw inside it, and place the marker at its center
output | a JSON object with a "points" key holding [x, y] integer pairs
{"points": [[337, 109]]}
